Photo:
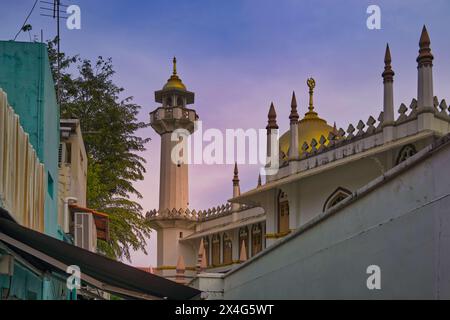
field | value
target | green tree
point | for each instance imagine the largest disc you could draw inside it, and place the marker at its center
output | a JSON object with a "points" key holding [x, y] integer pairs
{"points": [[109, 125]]}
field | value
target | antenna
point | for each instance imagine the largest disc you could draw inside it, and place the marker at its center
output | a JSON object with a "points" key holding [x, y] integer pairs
{"points": [[56, 14]]}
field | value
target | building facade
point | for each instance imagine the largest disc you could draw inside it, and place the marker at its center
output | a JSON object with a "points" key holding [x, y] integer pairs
{"points": [[29, 152], [271, 235], [26, 77]]}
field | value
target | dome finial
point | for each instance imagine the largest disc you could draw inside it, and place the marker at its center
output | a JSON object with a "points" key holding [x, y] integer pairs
{"points": [[175, 82], [174, 66], [311, 85]]}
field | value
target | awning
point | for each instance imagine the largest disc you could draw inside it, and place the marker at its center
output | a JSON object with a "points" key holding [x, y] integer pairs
{"points": [[101, 221], [98, 271]]}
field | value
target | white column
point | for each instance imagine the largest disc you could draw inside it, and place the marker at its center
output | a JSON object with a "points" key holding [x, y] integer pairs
{"points": [[174, 189], [388, 100], [425, 95]]}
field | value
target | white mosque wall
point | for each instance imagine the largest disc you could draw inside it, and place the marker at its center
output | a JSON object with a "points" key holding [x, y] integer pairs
{"points": [[308, 195], [170, 248], [402, 226], [315, 190]]}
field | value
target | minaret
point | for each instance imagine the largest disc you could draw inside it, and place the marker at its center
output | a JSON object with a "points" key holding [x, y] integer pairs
{"points": [[174, 122], [388, 104], [236, 188], [272, 143], [293, 151], [171, 117], [425, 95]]}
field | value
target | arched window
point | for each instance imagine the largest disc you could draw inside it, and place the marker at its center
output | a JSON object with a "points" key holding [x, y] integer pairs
{"points": [[244, 238], [256, 239], [336, 197], [216, 250], [206, 245], [227, 249], [405, 153], [180, 102], [283, 213]]}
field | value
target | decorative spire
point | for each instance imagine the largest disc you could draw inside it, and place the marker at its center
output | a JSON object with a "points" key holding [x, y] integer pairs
{"points": [[425, 56], [294, 114], [259, 181], [201, 257], [388, 74], [174, 66], [236, 189], [236, 175], [388, 99], [311, 85], [175, 82], [272, 123]]}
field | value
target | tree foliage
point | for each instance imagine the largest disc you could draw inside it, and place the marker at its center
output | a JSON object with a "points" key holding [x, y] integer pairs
{"points": [[109, 125]]}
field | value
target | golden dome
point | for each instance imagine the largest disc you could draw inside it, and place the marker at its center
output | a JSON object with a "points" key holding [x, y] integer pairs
{"points": [[311, 127], [174, 82], [308, 129]]}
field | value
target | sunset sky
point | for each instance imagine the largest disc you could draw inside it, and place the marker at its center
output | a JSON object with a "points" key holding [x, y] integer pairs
{"points": [[239, 56]]}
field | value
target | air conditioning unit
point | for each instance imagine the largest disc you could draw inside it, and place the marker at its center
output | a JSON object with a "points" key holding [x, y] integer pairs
{"points": [[85, 231]]}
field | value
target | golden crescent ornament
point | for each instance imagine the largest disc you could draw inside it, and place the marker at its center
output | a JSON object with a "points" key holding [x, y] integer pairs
{"points": [[311, 83]]}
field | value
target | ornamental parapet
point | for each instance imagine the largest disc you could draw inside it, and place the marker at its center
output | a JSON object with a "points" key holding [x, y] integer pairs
{"points": [[363, 136], [194, 215]]}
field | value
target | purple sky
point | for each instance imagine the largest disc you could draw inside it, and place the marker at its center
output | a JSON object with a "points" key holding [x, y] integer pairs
{"points": [[238, 56]]}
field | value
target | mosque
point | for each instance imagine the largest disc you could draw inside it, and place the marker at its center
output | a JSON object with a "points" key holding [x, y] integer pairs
{"points": [[341, 201]]}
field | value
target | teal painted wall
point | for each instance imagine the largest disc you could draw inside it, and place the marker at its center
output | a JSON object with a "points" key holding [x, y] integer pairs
{"points": [[27, 285], [24, 285], [26, 77]]}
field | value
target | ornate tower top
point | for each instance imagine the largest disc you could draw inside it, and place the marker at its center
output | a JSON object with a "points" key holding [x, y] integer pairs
{"points": [[425, 57], [294, 114], [174, 86], [236, 175], [272, 116], [388, 74], [173, 114]]}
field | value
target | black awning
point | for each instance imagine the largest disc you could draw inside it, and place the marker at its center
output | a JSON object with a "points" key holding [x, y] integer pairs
{"points": [[116, 276]]}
